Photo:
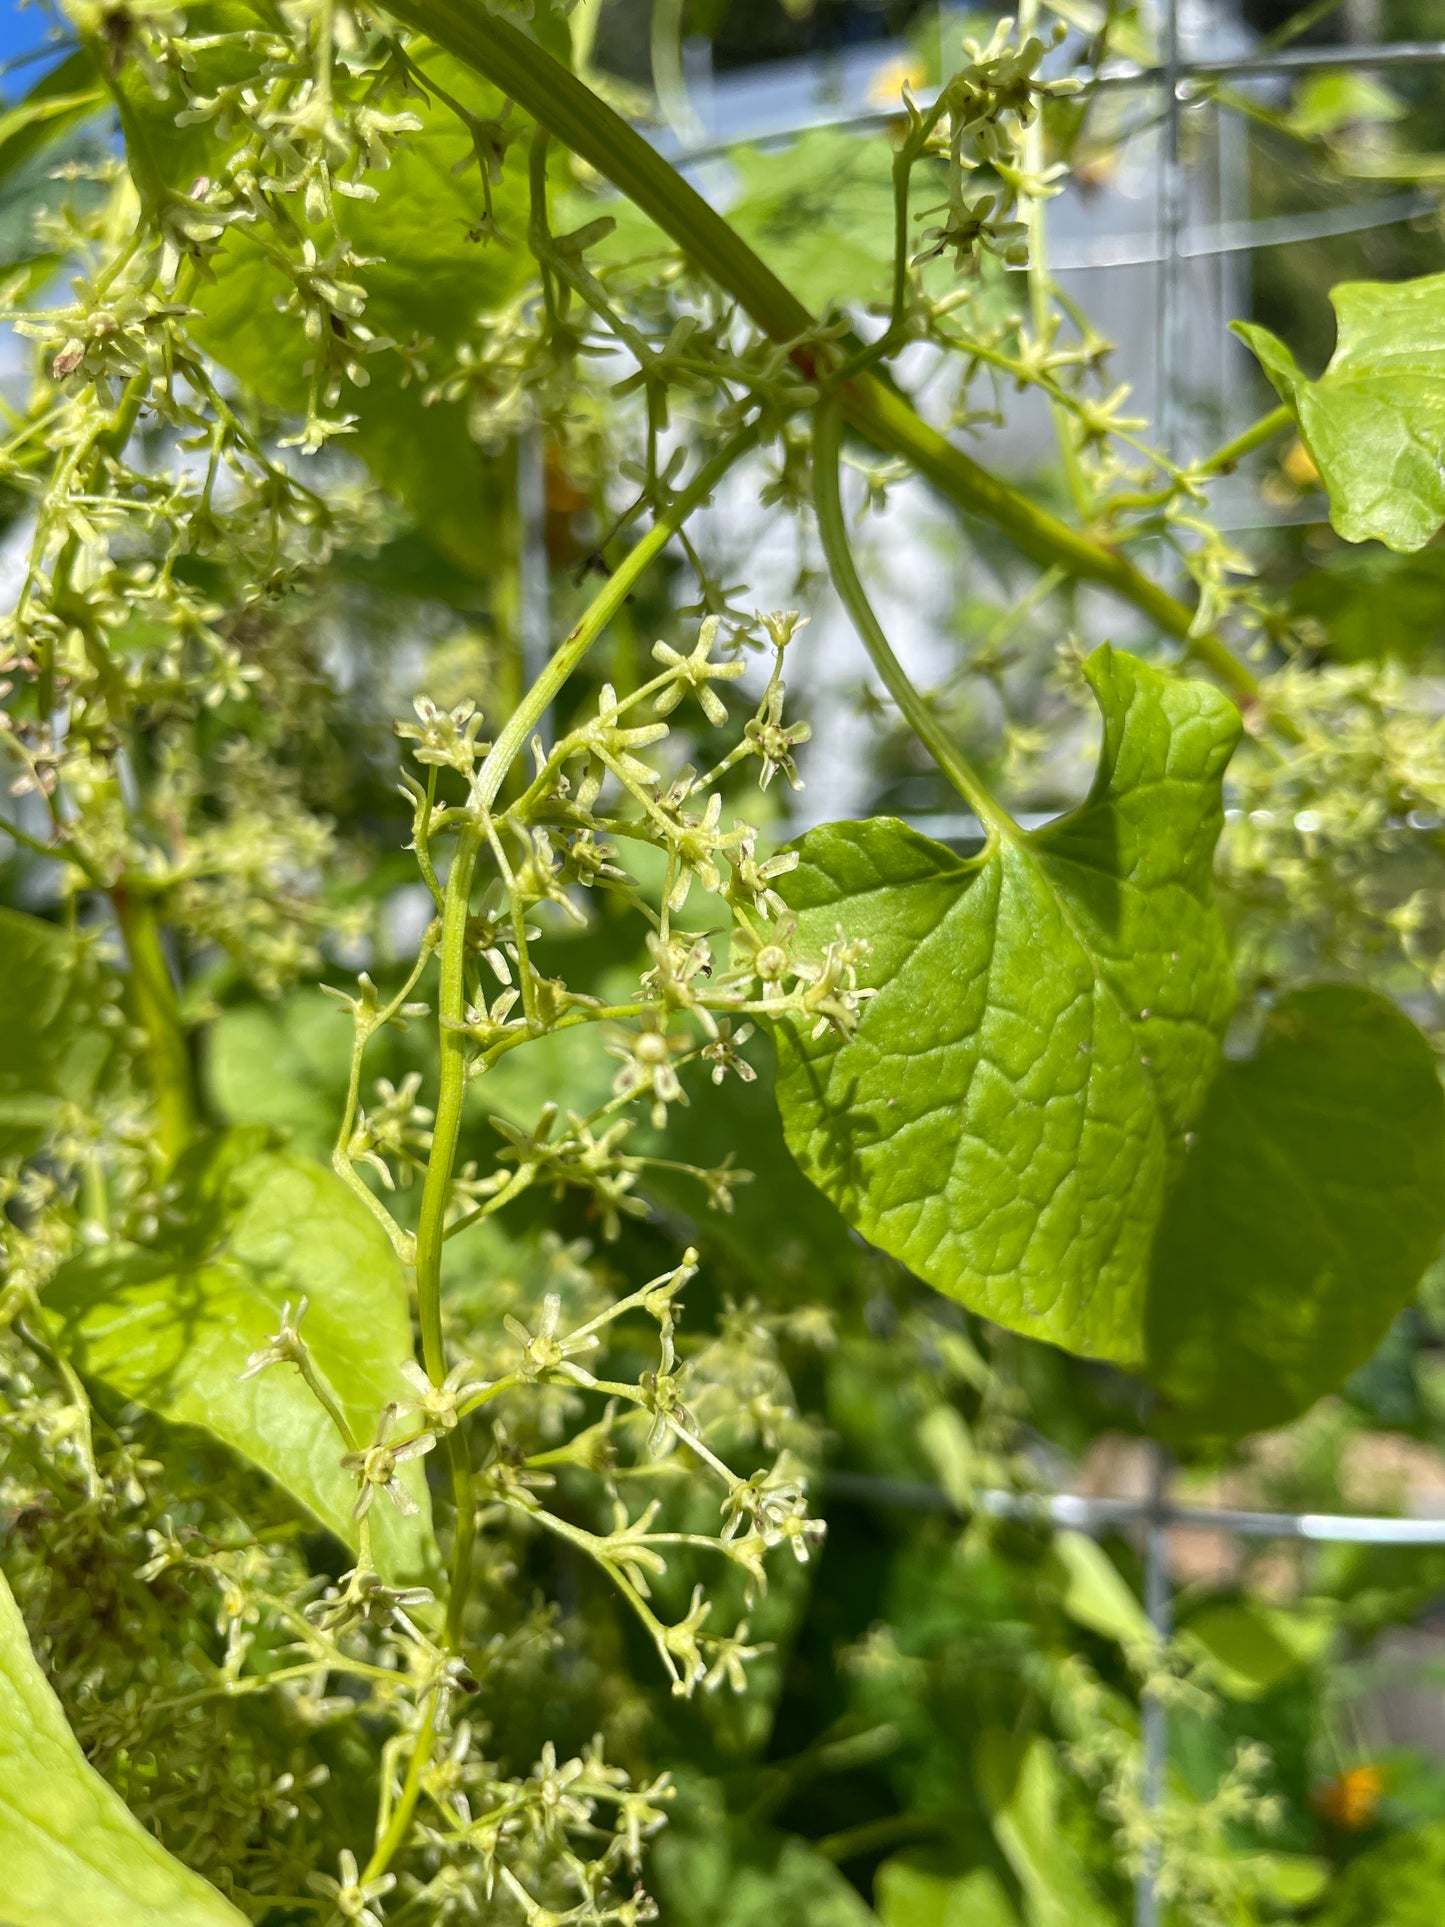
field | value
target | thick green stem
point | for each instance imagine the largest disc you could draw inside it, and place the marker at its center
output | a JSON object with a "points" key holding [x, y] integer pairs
{"points": [[436, 1192], [436, 1196], [503, 54], [827, 447], [157, 1011]]}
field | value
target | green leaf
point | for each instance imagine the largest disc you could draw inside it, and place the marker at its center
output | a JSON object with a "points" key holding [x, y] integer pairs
{"points": [[1310, 1205], [820, 215], [907, 1895], [1046, 1024], [1400, 1883], [1370, 604], [71, 93], [73, 1855], [173, 1327], [1255, 1647], [710, 1869], [52, 1047], [1095, 1594], [1374, 422], [1021, 1786], [1327, 103]]}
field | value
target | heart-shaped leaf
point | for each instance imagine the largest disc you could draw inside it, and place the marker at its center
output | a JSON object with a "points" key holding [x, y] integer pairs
{"points": [[1046, 1023], [1374, 422], [73, 1854], [1311, 1202], [173, 1327]]}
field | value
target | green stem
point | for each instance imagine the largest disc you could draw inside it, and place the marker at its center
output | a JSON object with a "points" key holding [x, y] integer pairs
{"points": [[600, 612], [1255, 436], [503, 54], [436, 1196], [451, 999], [832, 526], [157, 1010], [390, 1841], [436, 1192]]}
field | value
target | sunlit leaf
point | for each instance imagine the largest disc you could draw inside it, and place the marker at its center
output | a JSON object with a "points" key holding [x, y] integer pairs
{"points": [[1374, 422], [72, 1854], [1310, 1204], [1021, 1785], [1398, 1883], [1095, 1594], [1046, 1024], [908, 1895], [174, 1326]]}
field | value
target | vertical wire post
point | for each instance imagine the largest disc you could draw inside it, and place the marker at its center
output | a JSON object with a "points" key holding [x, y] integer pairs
{"points": [[1168, 413], [1153, 1721]]}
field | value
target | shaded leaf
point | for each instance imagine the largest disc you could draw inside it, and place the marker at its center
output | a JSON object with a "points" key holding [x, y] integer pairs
{"points": [[1310, 1204], [73, 1855], [1371, 604], [173, 1327], [712, 1870], [52, 1047], [1045, 1027], [1374, 422]]}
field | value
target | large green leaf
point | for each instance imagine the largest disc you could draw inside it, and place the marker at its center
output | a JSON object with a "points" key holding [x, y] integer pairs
{"points": [[73, 1855], [426, 281], [1374, 422], [1311, 1202], [51, 1044], [1046, 1022], [174, 1326]]}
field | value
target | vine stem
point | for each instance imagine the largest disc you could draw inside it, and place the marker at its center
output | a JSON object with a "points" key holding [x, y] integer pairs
{"points": [[833, 528], [600, 611], [451, 995], [157, 1010], [386, 1847], [501, 53]]}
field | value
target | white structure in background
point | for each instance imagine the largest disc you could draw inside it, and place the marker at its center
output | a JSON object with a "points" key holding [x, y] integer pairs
{"points": [[1124, 249]]}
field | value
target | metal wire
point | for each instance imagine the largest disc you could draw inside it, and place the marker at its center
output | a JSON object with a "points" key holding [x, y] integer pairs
{"points": [[1193, 77], [1082, 1513]]}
